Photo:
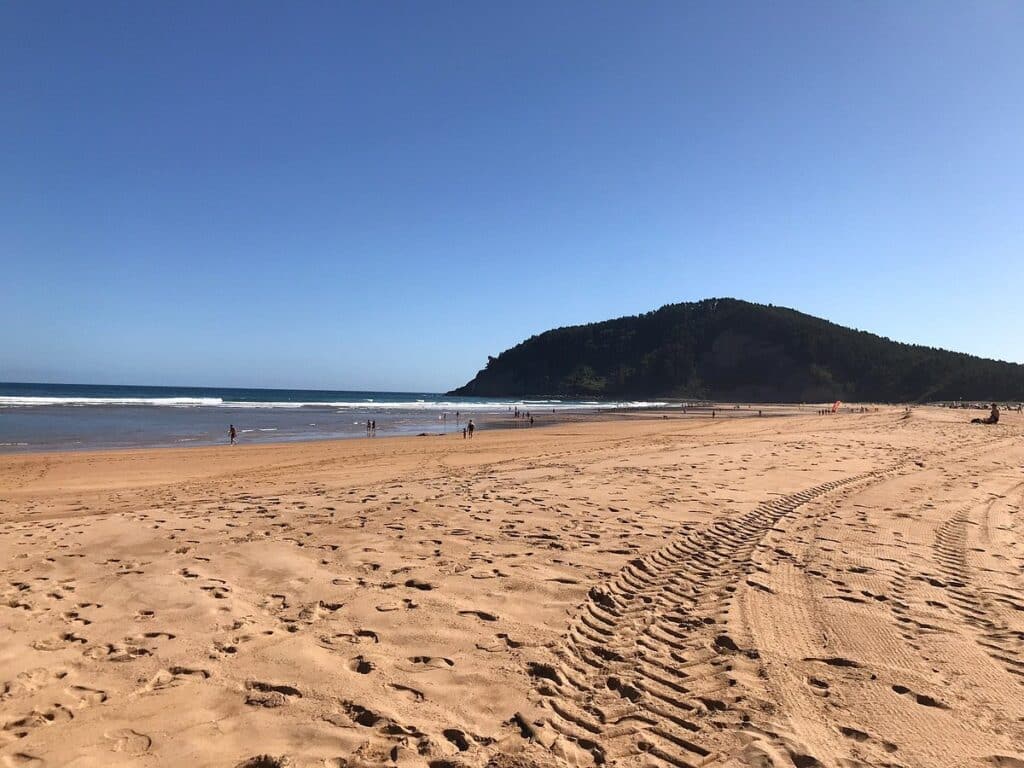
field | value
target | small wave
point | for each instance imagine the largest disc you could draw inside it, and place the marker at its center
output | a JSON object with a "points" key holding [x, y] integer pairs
{"points": [[450, 406], [6, 401], [342, 405]]}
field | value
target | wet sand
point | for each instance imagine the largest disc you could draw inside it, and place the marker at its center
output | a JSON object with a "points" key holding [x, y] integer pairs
{"points": [[796, 591]]}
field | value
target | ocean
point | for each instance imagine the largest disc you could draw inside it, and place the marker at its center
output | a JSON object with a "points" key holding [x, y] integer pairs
{"points": [[44, 417]]}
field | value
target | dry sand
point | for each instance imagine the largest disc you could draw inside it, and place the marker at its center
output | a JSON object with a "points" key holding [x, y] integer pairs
{"points": [[804, 591]]}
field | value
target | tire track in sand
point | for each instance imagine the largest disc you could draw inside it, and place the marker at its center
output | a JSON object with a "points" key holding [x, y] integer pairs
{"points": [[1000, 639], [647, 667]]}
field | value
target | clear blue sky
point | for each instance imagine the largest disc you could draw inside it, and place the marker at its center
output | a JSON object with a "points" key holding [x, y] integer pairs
{"points": [[379, 195]]}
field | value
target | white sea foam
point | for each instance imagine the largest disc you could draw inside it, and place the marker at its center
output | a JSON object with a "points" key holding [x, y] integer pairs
{"points": [[342, 405], [6, 402]]}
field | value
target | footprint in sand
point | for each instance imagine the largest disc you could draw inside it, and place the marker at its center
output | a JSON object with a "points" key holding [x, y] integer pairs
{"points": [[59, 642], [833, 661], [856, 734], [85, 696], [349, 638], [406, 603], [218, 591], [30, 682], [492, 646], [425, 663], [128, 741], [38, 717], [269, 695], [482, 615], [75, 618], [139, 639], [174, 676], [220, 647], [818, 686], [457, 737], [405, 690], [23, 760], [116, 652], [922, 699], [361, 665], [265, 761], [317, 610]]}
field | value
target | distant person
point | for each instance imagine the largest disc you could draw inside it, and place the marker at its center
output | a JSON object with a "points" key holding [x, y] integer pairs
{"points": [[373, 426], [993, 416], [232, 435], [531, 421], [471, 427]]}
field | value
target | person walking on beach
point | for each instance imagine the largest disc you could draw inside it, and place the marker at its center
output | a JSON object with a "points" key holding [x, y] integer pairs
{"points": [[471, 426], [232, 434], [373, 427]]}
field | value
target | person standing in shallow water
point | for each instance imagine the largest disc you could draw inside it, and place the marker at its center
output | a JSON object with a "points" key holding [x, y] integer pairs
{"points": [[470, 427], [232, 434]]}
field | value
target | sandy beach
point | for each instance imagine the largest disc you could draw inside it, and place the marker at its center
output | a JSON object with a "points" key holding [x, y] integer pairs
{"points": [[796, 591]]}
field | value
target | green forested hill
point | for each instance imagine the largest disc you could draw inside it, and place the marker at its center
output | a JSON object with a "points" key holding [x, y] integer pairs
{"points": [[728, 349]]}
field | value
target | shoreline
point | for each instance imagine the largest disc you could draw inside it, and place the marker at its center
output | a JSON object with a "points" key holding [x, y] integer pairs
{"points": [[485, 422]]}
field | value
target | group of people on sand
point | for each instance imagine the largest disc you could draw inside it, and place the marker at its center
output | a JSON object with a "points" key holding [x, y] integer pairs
{"points": [[371, 430], [524, 417]]}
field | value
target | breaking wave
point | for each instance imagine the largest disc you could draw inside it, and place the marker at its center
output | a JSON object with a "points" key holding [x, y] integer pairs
{"points": [[365, 404]]}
